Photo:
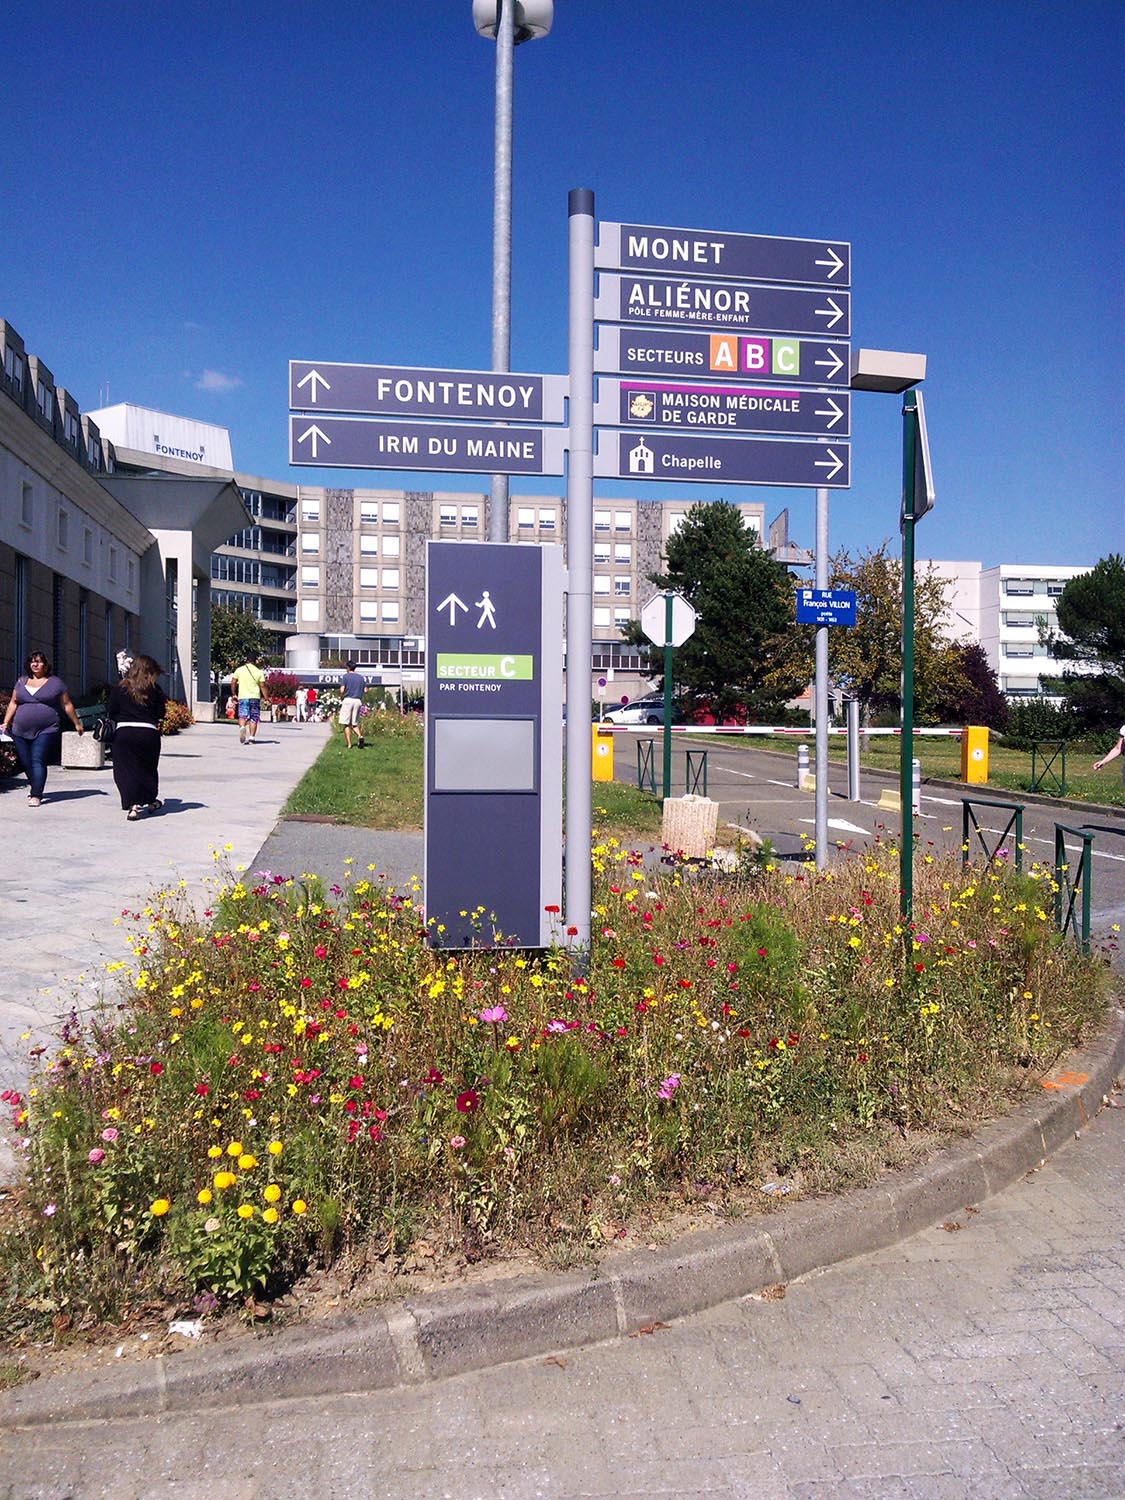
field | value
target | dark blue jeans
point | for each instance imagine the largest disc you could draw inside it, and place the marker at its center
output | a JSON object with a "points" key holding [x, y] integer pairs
{"points": [[34, 755]]}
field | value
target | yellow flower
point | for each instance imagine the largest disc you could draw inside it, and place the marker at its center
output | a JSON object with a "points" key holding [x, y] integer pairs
{"points": [[204, 1195], [224, 1180], [213, 1151], [299, 1206], [246, 1161], [270, 1215], [272, 1193], [159, 1208], [275, 1148], [235, 1148], [245, 1210]]}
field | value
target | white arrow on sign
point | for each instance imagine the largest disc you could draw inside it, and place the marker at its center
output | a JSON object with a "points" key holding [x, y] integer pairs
{"points": [[835, 262], [831, 410], [315, 434], [453, 604], [310, 380], [832, 463], [834, 364], [832, 312]]}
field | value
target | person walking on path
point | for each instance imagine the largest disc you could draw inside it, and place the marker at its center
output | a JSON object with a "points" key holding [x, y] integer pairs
{"points": [[137, 704], [246, 685], [1118, 749], [351, 705], [300, 704], [32, 716]]}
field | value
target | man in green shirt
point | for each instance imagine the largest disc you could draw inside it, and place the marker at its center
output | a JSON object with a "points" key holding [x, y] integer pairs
{"points": [[246, 685]]}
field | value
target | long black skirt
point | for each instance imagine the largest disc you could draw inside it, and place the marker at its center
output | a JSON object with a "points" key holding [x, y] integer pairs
{"points": [[136, 766]]}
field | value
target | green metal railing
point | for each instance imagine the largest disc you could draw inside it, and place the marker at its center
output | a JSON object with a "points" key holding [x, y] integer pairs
{"points": [[1072, 885], [969, 817], [646, 765], [695, 774], [1048, 766]]}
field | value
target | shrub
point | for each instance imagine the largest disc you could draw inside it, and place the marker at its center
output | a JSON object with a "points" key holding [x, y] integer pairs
{"points": [[177, 716], [1035, 719]]}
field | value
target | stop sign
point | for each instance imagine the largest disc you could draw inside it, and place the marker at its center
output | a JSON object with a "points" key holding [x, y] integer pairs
{"points": [[654, 618]]}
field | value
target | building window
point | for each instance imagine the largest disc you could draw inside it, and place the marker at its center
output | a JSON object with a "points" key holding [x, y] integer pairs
{"points": [[87, 546], [470, 515], [368, 609], [44, 399], [369, 546], [368, 510], [547, 519], [130, 575], [601, 520], [64, 528], [13, 368], [601, 618], [70, 428], [1054, 590], [675, 521], [622, 521], [369, 578], [310, 510], [526, 519], [1019, 586], [310, 611], [27, 503], [310, 577], [392, 545], [390, 513], [601, 583], [113, 565], [448, 515], [390, 578], [1018, 651], [310, 542], [623, 552], [621, 617], [1019, 622], [621, 584], [601, 552], [390, 613]]}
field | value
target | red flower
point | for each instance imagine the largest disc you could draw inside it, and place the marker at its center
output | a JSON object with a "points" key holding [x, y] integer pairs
{"points": [[468, 1102], [861, 1057], [552, 909], [433, 1078], [156, 1069], [742, 1031], [356, 1082], [793, 1038], [618, 963], [202, 1089], [761, 953]]}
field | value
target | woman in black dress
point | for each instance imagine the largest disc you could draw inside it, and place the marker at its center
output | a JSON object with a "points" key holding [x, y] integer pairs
{"points": [[137, 703]]}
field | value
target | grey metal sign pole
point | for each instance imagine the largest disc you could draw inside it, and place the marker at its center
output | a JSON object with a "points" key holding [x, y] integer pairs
{"points": [[580, 570], [502, 241], [821, 689]]}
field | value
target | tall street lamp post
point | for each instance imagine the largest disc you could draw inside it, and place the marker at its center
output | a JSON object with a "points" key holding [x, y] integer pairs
{"points": [[507, 22], [897, 374]]}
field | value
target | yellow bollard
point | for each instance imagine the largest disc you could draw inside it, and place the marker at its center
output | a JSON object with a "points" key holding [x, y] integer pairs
{"points": [[974, 753], [603, 753]]}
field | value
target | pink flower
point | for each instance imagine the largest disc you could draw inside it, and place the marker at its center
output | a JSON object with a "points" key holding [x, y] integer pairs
{"points": [[669, 1086], [456, 1141], [109, 1134], [95, 1156], [494, 1015]]}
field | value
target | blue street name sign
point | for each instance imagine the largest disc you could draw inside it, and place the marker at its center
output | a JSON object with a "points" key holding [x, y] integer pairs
{"points": [[356, 443], [406, 391], [825, 607], [722, 408], [708, 252], [731, 307], [721, 460], [655, 352]]}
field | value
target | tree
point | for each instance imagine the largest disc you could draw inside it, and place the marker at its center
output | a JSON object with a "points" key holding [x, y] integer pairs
{"points": [[1091, 618], [866, 659], [745, 657], [969, 692], [236, 636]]}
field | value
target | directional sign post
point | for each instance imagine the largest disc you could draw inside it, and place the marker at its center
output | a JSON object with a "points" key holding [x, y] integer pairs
{"points": [[362, 443], [722, 408], [709, 252], [719, 460], [673, 354], [731, 307], [409, 391]]}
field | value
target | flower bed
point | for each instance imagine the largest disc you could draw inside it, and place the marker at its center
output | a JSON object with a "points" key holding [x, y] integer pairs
{"points": [[294, 1076]]}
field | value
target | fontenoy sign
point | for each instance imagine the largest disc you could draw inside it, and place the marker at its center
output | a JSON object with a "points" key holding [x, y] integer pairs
{"points": [[659, 351], [719, 460], [406, 391], [731, 409], [356, 443], [708, 252], [728, 306]]}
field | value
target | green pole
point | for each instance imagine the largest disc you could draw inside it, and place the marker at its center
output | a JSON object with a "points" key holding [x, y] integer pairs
{"points": [[667, 695], [906, 748]]}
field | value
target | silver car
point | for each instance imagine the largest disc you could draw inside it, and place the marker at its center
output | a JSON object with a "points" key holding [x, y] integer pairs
{"points": [[646, 710]]}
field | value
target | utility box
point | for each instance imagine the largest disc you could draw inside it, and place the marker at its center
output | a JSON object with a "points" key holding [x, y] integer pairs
{"points": [[974, 753], [493, 812], [602, 753]]}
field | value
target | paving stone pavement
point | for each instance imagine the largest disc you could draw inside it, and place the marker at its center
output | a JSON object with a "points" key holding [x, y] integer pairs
{"points": [[987, 1361]]}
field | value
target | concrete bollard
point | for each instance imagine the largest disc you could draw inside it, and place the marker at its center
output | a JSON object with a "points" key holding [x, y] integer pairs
{"points": [[916, 785], [802, 764]]}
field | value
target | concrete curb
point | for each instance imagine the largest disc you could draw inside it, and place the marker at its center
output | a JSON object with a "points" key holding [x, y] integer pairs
{"points": [[428, 1338]]}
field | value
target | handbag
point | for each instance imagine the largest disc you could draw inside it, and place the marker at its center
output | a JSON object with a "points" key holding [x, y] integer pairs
{"points": [[104, 730]]}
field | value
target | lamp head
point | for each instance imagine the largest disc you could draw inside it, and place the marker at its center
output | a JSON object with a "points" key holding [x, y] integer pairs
{"points": [[531, 18]]}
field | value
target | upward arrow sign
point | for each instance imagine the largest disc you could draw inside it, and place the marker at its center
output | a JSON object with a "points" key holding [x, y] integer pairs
{"points": [[314, 433], [310, 380]]}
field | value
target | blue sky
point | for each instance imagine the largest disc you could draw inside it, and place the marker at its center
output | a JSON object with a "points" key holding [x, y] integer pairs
{"points": [[196, 193]]}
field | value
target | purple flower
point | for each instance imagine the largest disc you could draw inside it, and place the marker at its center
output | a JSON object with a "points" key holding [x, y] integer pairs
{"points": [[669, 1086], [494, 1015]]}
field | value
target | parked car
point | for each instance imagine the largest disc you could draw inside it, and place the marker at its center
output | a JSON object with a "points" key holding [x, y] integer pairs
{"points": [[646, 710]]}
